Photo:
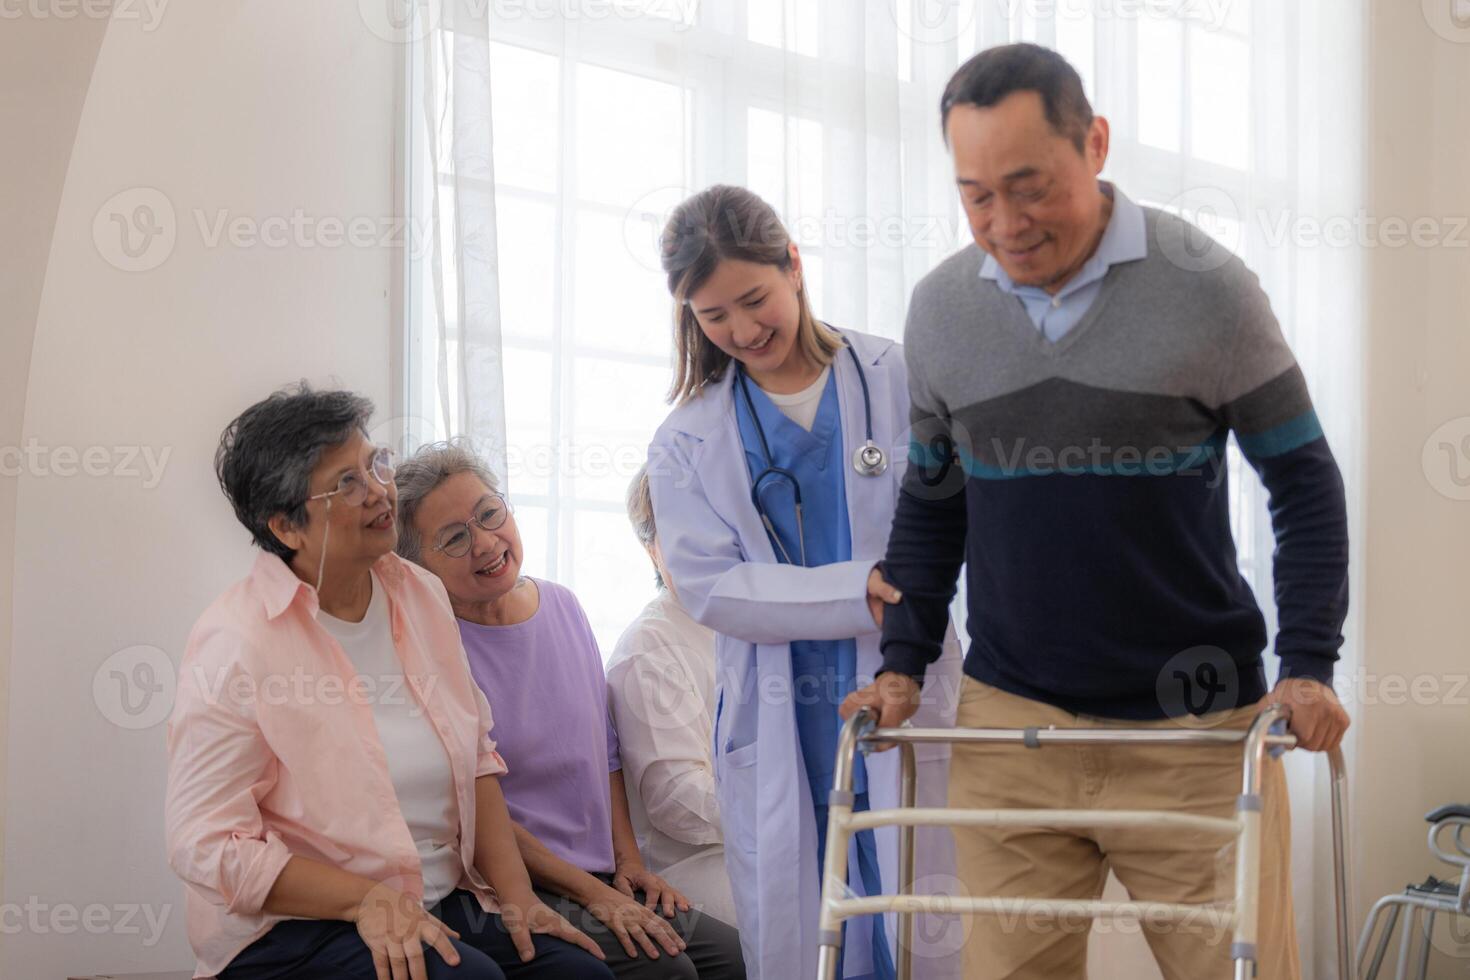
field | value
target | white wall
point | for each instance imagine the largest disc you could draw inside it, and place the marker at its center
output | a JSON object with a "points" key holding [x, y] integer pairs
{"points": [[56, 58], [1412, 756], [258, 109]]}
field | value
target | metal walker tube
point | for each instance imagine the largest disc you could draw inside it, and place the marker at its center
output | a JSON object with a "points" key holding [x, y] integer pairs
{"points": [[1242, 915]]}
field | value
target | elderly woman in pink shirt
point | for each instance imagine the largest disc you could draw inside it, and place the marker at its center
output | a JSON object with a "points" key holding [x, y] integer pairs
{"points": [[334, 803]]}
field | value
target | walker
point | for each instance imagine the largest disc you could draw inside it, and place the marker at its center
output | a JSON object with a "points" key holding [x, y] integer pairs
{"points": [[1240, 916]]}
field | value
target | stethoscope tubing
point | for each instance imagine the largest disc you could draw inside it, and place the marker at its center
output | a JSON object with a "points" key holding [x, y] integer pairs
{"points": [[868, 460]]}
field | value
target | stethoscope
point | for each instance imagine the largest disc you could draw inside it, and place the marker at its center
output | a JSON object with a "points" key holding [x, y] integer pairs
{"points": [[868, 460]]}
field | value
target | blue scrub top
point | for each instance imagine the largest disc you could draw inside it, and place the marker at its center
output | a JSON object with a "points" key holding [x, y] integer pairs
{"points": [[823, 671]]}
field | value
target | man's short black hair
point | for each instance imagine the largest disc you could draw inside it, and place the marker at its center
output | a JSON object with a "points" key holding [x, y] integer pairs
{"points": [[267, 454], [996, 72]]}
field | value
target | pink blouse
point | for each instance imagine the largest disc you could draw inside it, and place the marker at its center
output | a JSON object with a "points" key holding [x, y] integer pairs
{"points": [[273, 750]]}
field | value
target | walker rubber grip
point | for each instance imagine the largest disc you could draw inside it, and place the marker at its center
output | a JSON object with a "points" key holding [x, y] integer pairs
{"points": [[1278, 727]]}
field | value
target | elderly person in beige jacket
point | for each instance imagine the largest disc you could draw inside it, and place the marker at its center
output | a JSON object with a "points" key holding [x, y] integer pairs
{"points": [[660, 682]]}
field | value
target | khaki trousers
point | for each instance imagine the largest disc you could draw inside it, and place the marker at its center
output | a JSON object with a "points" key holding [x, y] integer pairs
{"points": [[1152, 865]]}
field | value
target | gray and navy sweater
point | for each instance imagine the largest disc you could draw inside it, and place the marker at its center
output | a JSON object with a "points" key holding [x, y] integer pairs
{"points": [[1083, 483]]}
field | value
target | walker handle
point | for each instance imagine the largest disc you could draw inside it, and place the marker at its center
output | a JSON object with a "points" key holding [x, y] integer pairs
{"points": [[1278, 727]]}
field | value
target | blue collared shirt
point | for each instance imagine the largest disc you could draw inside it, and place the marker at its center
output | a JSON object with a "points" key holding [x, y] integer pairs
{"points": [[1124, 240]]}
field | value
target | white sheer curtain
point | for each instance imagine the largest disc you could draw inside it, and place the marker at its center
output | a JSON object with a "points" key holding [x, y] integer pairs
{"points": [[540, 324]]}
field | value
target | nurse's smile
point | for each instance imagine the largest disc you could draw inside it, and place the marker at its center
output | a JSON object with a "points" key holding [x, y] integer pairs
{"points": [[752, 312]]}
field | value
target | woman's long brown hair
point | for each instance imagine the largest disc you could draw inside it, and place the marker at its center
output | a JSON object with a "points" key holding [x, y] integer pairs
{"points": [[724, 222]]}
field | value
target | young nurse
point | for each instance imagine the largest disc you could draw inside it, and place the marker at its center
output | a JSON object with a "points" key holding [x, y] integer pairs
{"points": [[774, 481]]}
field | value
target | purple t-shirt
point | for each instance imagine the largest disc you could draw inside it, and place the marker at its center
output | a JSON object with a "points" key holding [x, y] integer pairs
{"points": [[545, 684]]}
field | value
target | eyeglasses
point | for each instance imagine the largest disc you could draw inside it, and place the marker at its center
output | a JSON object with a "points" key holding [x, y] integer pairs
{"points": [[353, 487], [490, 515]]}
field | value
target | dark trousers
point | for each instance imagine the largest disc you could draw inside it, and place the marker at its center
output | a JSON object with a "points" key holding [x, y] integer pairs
{"points": [[328, 949], [712, 947]]}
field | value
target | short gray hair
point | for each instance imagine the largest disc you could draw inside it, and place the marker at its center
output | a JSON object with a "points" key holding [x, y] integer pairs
{"points": [[420, 475], [267, 454], [640, 512]]}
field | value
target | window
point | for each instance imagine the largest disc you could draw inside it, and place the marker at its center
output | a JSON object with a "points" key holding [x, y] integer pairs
{"points": [[602, 124]]}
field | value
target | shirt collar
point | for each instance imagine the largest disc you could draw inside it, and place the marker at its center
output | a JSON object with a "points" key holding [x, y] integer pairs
{"points": [[278, 586], [1125, 239]]}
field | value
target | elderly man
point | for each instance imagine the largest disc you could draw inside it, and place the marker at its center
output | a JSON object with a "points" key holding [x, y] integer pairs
{"points": [[1083, 365]]}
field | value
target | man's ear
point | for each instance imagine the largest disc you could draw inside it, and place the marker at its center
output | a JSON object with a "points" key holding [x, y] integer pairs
{"points": [[1097, 141], [287, 533]]}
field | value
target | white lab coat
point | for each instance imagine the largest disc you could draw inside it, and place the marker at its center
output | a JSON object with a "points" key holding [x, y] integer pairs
{"points": [[661, 689], [729, 579]]}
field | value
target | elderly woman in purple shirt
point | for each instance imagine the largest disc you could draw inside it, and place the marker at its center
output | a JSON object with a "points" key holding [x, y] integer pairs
{"points": [[532, 651]]}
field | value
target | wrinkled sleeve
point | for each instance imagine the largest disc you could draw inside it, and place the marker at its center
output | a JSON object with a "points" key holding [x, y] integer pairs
{"points": [[488, 760], [758, 602], [219, 768]]}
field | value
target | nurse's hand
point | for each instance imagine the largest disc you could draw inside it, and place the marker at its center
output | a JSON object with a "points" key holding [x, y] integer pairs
{"points": [[893, 696], [880, 594]]}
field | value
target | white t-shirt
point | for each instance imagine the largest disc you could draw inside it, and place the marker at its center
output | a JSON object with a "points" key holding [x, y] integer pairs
{"points": [[417, 762], [801, 406]]}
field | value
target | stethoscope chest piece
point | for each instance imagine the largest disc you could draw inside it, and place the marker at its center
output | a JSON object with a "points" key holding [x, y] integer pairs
{"points": [[869, 460]]}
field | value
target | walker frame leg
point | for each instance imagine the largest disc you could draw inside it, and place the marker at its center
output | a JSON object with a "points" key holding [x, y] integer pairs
{"points": [[908, 796], [1246, 829]]}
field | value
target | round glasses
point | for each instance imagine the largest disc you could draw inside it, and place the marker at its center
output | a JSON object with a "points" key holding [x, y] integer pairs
{"points": [[490, 514], [353, 488]]}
